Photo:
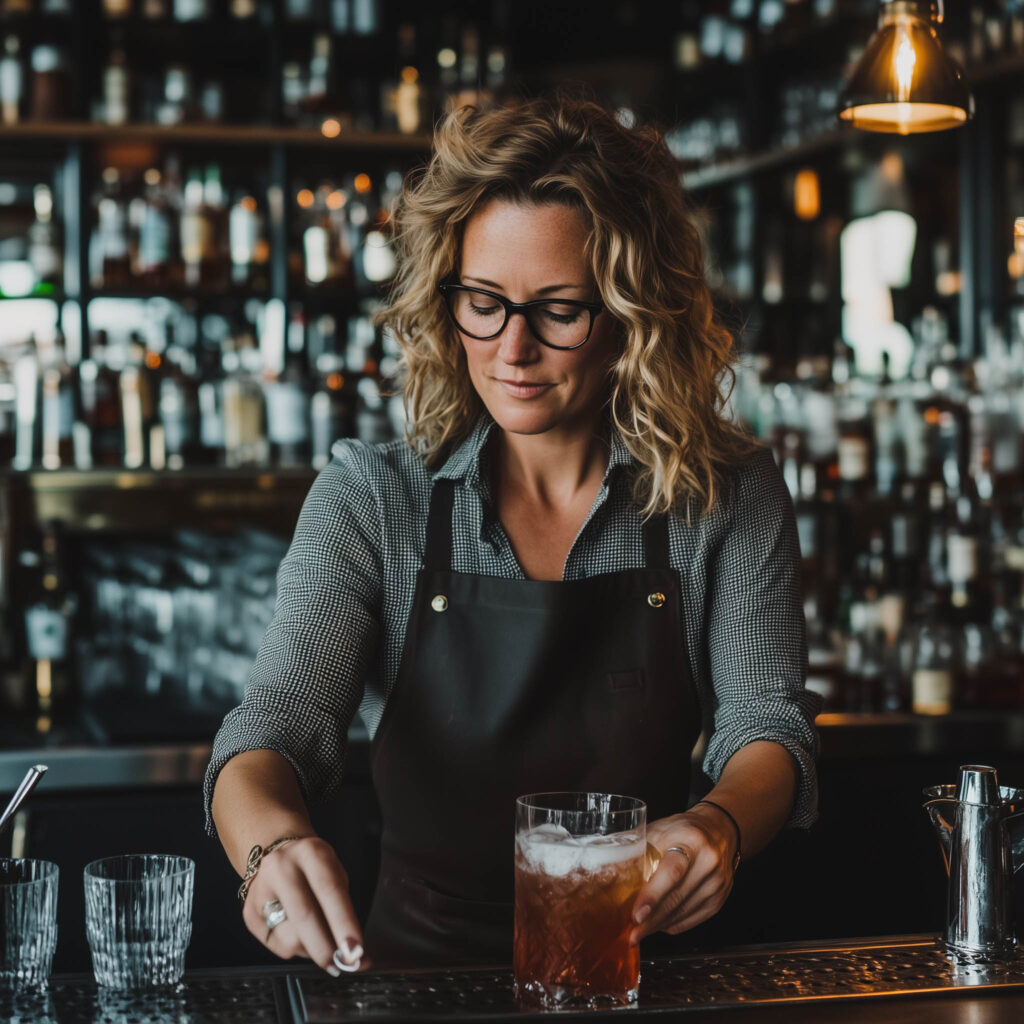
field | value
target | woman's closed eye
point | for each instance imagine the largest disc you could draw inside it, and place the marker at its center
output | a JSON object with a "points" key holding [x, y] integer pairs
{"points": [[484, 310], [562, 314]]}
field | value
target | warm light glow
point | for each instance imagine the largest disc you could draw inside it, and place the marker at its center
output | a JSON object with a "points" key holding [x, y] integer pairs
{"points": [[807, 194], [904, 60], [931, 416], [152, 176], [336, 199], [949, 282], [1018, 234], [410, 75], [305, 198], [1015, 264], [44, 684], [331, 128], [363, 183], [904, 118], [249, 203], [446, 58], [153, 360], [335, 381]]}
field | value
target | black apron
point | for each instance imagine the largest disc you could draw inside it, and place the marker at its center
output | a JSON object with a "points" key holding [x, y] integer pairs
{"points": [[509, 687]]}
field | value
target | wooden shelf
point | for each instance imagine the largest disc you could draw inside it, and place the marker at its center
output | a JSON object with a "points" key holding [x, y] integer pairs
{"points": [[215, 135]]}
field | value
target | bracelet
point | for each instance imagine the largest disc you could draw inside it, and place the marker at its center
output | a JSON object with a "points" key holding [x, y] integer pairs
{"points": [[255, 858], [735, 824]]}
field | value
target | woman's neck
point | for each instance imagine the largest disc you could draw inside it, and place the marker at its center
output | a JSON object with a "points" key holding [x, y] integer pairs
{"points": [[549, 469]]}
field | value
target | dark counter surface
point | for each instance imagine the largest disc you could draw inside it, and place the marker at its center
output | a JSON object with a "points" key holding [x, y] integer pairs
{"points": [[78, 762], [890, 980]]}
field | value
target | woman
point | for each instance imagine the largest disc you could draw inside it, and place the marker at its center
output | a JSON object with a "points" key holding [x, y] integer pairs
{"points": [[602, 561]]}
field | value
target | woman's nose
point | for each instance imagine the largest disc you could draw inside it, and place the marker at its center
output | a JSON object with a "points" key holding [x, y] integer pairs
{"points": [[516, 343]]}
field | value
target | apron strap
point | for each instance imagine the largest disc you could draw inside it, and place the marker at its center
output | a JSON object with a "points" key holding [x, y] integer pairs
{"points": [[438, 552], [656, 542]]}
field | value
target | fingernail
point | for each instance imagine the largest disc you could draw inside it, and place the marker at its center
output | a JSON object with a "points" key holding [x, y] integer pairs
{"points": [[333, 971], [642, 914], [349, 956]]}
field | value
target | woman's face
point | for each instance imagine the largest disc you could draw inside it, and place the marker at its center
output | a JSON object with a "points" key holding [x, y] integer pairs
{"points": [[525, 252]]}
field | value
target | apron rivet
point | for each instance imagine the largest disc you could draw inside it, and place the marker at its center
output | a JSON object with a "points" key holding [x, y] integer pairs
{"points": [[439, 603], [656, 600]]}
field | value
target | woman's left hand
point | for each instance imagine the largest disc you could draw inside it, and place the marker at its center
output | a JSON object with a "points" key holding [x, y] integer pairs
{"points": [[688, 887]]}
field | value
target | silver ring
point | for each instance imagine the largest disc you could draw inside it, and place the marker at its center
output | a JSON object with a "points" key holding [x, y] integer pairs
{"points": [[680, 849], [273, 914]]}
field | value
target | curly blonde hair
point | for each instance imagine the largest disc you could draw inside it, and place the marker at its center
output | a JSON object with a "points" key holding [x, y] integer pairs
{"points": [[673, 375]]}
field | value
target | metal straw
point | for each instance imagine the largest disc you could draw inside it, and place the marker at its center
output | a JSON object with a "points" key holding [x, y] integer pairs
{"points": [[27, 785]]}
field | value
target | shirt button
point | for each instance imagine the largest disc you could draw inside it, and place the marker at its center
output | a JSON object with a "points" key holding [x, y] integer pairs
{"points": [[439, 603], [656, 600]]}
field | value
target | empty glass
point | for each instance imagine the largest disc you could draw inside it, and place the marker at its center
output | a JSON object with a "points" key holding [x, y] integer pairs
{"points": [[138, 918], [28, 922]]}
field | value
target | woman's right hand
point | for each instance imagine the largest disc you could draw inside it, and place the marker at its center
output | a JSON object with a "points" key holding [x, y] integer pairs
{"points": [[307, 878]]}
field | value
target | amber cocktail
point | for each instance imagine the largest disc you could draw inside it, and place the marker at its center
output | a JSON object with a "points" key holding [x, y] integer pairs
{"points": [[579, 866]]}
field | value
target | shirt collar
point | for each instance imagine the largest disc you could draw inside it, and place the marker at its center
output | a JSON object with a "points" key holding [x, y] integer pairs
{"points": [[464, 461]]}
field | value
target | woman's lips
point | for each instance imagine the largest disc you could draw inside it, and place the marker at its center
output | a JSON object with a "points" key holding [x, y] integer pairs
{"points": [[522, 389]]}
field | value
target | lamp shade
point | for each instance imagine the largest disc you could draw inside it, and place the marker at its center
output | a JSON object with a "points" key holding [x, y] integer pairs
{"points": [[905, 82]]}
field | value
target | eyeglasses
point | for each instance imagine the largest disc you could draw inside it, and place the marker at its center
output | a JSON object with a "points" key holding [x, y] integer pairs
{"points": [[558, 323]]}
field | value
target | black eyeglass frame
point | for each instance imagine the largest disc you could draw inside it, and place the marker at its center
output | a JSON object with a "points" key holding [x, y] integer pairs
{"points": [[593, 308]]}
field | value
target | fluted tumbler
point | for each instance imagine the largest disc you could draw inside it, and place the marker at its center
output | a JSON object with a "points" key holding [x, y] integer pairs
{"points": [[28, 922], [138, 918]]}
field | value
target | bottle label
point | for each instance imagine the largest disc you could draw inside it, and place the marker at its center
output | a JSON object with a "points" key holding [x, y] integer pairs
{"points": [[933, 691], [287, 414], [853, 458], [961, 558], [46, 632]]}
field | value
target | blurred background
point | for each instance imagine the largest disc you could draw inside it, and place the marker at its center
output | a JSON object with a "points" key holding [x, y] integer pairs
{"points": [[194, 236]]}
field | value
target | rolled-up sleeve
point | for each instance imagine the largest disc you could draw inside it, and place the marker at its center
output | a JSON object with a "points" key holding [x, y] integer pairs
{"points": [[307, 680], [757, 636]]}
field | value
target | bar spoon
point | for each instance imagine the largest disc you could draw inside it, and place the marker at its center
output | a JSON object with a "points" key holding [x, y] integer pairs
{"points": [[27, 785]]}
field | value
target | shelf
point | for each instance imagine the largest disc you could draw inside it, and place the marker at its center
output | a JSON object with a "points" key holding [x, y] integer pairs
{"points": [[208, 498], [731, 171], [215, 135]]}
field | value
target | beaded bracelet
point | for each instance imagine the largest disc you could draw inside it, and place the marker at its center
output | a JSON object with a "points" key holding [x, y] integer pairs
{"points": [[255, 858]]}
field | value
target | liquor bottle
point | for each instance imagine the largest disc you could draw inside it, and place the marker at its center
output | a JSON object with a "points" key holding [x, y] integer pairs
{"points": [[101, 404], [109, 251], [16, 7], [12, 82], [934, 660], [50, 99], [323, 246], [288, 403], [8, 414], [245, 439], [214, 268], [28, 424], [48, 625], [157, 244], [57, 408], [116, 87], [179, 405], [332, 407], [44, 241], [138, 405], [211, 405], [117, 8], [191, 10], [250, 253], [319, 99], [197, 233]]}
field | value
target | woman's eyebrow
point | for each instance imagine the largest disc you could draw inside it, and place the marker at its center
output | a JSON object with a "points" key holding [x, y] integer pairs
{"points": [[540, 291]]}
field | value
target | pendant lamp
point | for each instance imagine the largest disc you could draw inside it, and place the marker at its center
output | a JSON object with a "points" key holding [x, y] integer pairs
{"points": [[905, 82]]}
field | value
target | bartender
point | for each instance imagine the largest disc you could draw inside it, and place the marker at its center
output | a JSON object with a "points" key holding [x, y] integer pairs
{"points": [[572, 562]]}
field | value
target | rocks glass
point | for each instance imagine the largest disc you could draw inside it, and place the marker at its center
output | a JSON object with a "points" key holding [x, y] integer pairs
{"points": [[28, 922], [579, 865], [138, 918]]}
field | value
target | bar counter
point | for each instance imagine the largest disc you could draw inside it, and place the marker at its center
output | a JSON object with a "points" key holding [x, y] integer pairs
{"points": [[895, 980]]}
